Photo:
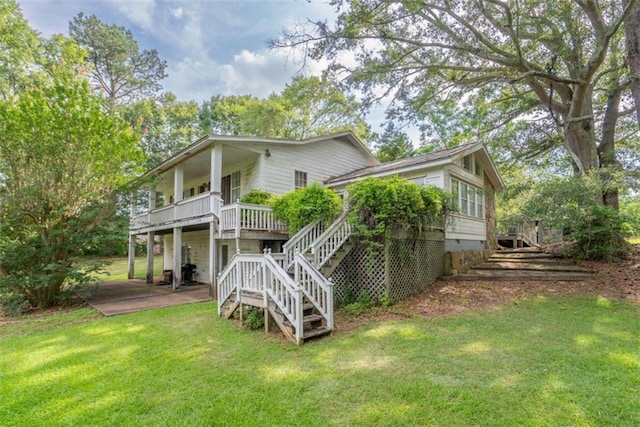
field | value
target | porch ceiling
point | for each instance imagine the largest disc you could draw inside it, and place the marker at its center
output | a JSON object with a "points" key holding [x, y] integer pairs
{"points": [[198, 165]]}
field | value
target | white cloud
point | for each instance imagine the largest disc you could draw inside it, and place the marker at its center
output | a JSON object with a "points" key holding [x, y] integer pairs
{"points": [[139, 12], [177, 13]]}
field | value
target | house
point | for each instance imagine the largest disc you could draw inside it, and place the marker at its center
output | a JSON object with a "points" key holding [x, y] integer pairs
{"points": [[466, 171], [193, 205]]}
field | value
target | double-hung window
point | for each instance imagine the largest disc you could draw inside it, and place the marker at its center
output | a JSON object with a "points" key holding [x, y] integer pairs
{"points": [[470, 199]]}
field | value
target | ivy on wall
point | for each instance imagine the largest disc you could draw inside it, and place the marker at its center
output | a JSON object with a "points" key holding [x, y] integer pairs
{"points": [[379, 204]]}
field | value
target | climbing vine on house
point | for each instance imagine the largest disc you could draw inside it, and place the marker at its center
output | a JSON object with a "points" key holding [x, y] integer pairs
{"points": [[306, 205], [378, 205], [257, 197]]}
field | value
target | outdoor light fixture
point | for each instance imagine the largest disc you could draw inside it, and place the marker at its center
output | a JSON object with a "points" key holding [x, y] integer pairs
{"points": [[267, 153]]}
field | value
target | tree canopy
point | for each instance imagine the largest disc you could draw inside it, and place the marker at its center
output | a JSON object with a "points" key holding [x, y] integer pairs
{"points": [[119, 69], [307, 107], [536, 74], [63, 158]]}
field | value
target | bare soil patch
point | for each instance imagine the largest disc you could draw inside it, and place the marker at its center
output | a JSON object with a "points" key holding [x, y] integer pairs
{"points": [[619, 280]]}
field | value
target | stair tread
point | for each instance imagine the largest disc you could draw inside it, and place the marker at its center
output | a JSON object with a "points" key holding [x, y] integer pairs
{"points": [[307, 318], [317, 332]]}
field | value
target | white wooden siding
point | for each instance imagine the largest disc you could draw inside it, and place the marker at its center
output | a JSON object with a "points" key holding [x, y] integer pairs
{"points": [[466, 228], [320, 160], [199, 242]]}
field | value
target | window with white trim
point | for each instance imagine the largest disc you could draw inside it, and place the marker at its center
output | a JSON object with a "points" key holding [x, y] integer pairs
{"points": [[300, 179], [231, 185], [470, 199]]}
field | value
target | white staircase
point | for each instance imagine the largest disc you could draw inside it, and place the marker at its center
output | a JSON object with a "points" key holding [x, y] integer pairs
{"points": [[294, 292]]}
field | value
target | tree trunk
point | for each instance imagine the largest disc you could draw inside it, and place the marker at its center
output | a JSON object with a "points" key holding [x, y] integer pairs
{"points": [[579, 142], [632, 27]]}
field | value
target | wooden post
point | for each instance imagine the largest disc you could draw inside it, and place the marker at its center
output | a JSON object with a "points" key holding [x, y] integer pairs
{"points": [[150, 246], [132, 256], [178, 182], [213, 246], [216, 169], [177, 257]]}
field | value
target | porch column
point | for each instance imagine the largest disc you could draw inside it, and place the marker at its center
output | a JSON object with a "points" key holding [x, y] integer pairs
{"points": [[216, 169], [150, 246], [132, 256], [177, 257], [213, 246], [152, 198], [132, 241], [178, 182]]}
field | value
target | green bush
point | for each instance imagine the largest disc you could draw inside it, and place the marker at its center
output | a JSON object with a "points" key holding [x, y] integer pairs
{"points": [[574, 205], [306, 205], [256, 197], [378, 204], [598, 234], [254, 319]]}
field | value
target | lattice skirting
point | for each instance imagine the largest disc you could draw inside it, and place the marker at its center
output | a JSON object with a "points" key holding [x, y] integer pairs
{"points": [[405, 267]]}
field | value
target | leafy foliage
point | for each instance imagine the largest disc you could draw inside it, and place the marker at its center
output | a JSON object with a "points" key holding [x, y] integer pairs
{"points": [[307, 107], [306, 205], [254, 318], [257, 197], [379, 204], [393, 145], [571, 204], [62, 161], [119, 70], [530, 76]]}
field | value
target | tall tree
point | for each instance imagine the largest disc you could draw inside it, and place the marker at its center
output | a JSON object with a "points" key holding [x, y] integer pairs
{"points": [[18, 46], [393, 144], [551, 65], [307, 107], [62, 160], [632, 27], [165, 125], [119, 69]]}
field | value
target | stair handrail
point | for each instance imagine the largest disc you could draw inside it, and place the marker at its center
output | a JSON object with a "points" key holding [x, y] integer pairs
{"points": [[329, 242], [317, 289], [285, 294], [301, 241], [229, 279]]}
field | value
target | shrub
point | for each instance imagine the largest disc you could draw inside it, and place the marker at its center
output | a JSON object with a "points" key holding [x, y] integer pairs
{"points": [[306, 205], [254, 319], [378, 204], [256, 197], [598, 234]]}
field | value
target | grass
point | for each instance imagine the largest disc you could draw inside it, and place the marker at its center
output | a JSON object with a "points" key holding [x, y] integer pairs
{"points": [[634, 240], [543, 361], [118, 268]]}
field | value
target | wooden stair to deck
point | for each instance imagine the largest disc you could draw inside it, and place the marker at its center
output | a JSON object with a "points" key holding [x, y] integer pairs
{"points": [[313, 323], [525, 264]]}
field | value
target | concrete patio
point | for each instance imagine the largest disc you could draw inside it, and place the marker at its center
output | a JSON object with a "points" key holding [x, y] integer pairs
{"points": [[112, 298]]}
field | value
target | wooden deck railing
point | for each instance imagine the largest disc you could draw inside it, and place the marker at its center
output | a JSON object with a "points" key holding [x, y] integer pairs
{"points": [[317, 289], [192, 207], [285, 293], [244, 272], [327, 244], [301, 241], [237, 217]]}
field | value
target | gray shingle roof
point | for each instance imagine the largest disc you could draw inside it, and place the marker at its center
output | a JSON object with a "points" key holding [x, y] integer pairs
{"points": [[424, 159]]}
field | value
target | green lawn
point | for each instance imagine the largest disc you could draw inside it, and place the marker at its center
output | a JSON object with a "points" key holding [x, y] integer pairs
{"points": [[543, 361], [634, 240], [118, 268]]}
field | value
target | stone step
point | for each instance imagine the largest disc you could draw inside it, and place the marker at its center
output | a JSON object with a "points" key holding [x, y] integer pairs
{"points": [[536, 266], [516, 275]]}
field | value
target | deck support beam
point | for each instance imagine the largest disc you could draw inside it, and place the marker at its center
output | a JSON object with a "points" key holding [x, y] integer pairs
{"points": [[131, 257], [177, 258], [150, 247], [213, 253]]}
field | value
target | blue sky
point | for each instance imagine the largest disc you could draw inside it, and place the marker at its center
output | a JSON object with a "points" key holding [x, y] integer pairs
{"points": [[211, 47]]}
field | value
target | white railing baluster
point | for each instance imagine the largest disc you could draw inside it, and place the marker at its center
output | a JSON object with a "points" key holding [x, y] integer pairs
{"points": [[326, 245], [317, 289]]}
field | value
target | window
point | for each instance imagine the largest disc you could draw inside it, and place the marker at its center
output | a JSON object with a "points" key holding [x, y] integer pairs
{"points": [[300, 179], [464, 199], [467, 162], [231, 187], [470, 199], [478, 169]]}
